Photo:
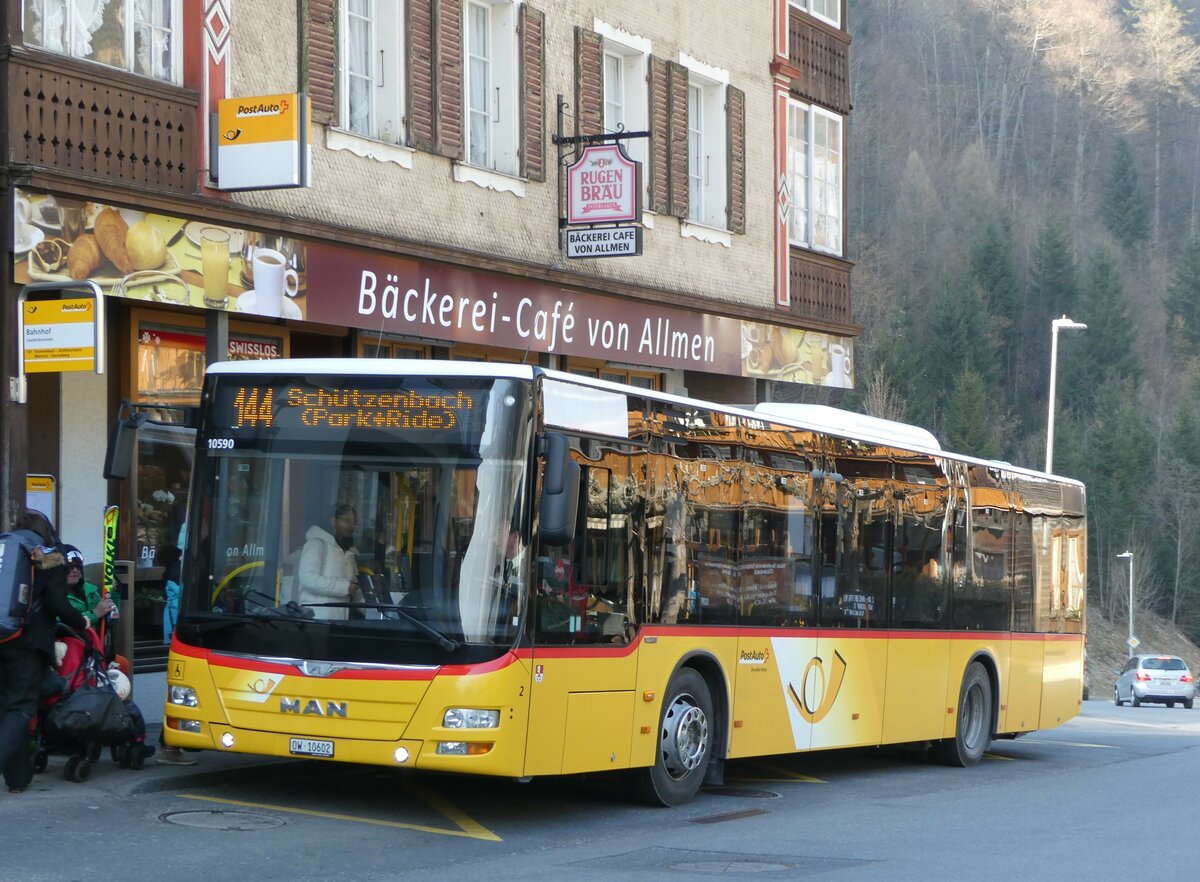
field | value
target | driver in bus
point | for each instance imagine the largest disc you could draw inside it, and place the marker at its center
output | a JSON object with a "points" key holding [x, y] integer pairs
{"points": [[328, 571]]}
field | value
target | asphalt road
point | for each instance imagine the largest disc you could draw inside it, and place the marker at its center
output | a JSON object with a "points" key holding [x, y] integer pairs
{"points": [[1110, 795]]}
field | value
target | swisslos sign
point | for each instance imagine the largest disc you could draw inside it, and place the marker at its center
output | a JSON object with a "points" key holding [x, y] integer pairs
{"points": [[603, 187]]}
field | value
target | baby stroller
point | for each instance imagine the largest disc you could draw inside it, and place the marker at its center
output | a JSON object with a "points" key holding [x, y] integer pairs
{"points": [[87, 713]]}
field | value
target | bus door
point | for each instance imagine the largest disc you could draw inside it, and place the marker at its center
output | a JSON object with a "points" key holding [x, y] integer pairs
{"points": [[844, 684], [584, 666], [777, 633]]}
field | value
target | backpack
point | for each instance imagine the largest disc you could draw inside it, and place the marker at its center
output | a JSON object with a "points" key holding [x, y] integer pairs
{"points": [[17, 600]]}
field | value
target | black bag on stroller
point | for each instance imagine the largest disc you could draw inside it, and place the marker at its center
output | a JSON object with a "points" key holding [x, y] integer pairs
{"points": [[92, 714]]}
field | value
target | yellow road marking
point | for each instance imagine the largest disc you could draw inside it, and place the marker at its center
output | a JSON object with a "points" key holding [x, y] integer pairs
{"points": [[997, 756], [468, 827], [785, 776], [1069, 743]]}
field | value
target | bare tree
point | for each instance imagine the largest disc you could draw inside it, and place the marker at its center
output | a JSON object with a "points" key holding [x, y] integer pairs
{"points": [[1168, 64], [1090, 62], [883, 399]]}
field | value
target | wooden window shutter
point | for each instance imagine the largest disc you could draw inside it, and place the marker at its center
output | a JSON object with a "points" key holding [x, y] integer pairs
{"points": [[418, 32], [319, 64], [677, 149], [735, 153], [448, 79], [589, 82], [659, 169], [533, 105]]}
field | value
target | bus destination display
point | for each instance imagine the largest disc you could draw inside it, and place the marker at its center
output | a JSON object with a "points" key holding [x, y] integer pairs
{"points": [[300, 410]]}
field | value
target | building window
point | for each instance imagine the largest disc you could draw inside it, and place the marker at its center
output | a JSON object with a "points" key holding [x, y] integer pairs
{"points": [[814, 173], [142, 36], [372, 71], [626, 102], [826, 10], [706, 152], [491, 87]]}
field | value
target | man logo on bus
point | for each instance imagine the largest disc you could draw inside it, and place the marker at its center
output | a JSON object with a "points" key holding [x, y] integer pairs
{"points": [[827, 691]]}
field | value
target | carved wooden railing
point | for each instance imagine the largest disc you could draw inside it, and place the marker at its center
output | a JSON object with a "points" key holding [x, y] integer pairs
{"points": [[822, 54], [91, 121], [820, 287]]}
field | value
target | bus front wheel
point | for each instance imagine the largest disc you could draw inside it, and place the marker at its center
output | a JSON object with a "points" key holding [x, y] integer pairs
{"points": [[973, 729], [685, 732]]}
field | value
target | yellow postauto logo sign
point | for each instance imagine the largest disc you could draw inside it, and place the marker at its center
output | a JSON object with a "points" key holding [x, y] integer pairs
{"points": [[258, 120]]}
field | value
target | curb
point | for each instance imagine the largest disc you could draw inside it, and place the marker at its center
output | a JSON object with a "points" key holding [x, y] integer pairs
{"points": [[246, 768]]}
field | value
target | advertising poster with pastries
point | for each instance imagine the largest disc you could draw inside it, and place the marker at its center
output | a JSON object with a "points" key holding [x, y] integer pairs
{"points": [[157, 258]]}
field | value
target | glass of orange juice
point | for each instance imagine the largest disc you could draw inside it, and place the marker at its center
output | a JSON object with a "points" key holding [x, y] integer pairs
{"points": [[214, 260]]}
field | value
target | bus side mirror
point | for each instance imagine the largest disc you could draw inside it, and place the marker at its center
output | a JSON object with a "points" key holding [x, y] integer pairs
{"points": [[560, 492], [118, 458]]}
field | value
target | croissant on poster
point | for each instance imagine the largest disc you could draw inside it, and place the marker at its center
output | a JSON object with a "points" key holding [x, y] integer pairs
{"points": [[110, 230], [83, 257]]}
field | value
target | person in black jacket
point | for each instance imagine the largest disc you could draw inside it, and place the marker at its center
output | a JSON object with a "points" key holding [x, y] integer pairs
{"points": [[24, 659]]}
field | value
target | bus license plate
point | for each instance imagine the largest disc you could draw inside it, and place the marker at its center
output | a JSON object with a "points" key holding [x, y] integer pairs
{"points": [[311, 747]]}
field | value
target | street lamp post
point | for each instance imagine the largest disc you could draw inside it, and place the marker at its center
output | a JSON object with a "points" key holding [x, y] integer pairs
{"points": [[1128, 555], [1058, 323]]}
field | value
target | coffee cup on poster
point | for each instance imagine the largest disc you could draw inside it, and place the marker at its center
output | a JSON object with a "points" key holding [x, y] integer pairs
{"points": [[272, 279], [22, 226], [22, 212]]}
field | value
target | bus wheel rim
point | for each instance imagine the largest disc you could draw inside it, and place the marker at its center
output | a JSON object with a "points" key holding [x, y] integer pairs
{"points": [[973, 717], [684, 737]]}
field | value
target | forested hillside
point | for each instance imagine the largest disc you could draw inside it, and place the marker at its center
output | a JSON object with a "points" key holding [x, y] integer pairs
{"points": [[1012, 162]]}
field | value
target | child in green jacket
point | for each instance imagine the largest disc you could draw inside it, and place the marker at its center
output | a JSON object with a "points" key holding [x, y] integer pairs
{"points": [[83, 595]]}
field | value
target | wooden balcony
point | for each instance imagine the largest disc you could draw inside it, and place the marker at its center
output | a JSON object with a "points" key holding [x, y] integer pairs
{"points": [[822, 54], [90, 121], [820, 287]]}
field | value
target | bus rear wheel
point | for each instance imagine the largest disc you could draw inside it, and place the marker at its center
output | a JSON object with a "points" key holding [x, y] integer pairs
{"points": [[684, 743], [973, 729]]}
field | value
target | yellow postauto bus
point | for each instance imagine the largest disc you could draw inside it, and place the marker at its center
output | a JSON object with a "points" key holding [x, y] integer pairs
{"points": [[505, 570]]}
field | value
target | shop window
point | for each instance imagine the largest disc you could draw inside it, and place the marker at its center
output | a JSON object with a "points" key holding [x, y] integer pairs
{"points": [[629, 376], [376, 348], [141, 36], [170, 365], [479, 353]]}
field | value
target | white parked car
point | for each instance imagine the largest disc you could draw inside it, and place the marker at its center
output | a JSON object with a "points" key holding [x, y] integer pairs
{"points": [[1162, 678]]}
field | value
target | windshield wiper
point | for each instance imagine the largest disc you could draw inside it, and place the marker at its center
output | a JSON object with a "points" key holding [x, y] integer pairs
{"points": [[290, 610], [446, 643]]}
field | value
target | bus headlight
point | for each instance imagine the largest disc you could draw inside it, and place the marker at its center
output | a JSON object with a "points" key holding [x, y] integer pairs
{"points": [[184, 695], [463, 748], [471, 718]]}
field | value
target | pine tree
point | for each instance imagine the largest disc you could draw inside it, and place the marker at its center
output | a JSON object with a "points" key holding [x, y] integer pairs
{"points": [[1124, 209], [1054, 284], [1182, 301], [958, 338], [1053, 291], [973, 424], [992, 271], [1106, 347]]}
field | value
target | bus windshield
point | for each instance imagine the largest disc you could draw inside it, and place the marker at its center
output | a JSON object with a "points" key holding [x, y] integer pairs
{"points": [[375, 520]]}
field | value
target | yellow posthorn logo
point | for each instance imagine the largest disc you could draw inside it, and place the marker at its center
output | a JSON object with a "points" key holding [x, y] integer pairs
{"points": [[829, 691]]}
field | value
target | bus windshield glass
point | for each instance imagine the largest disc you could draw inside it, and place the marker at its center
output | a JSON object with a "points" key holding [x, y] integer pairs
{"points": [[369, 519]]}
